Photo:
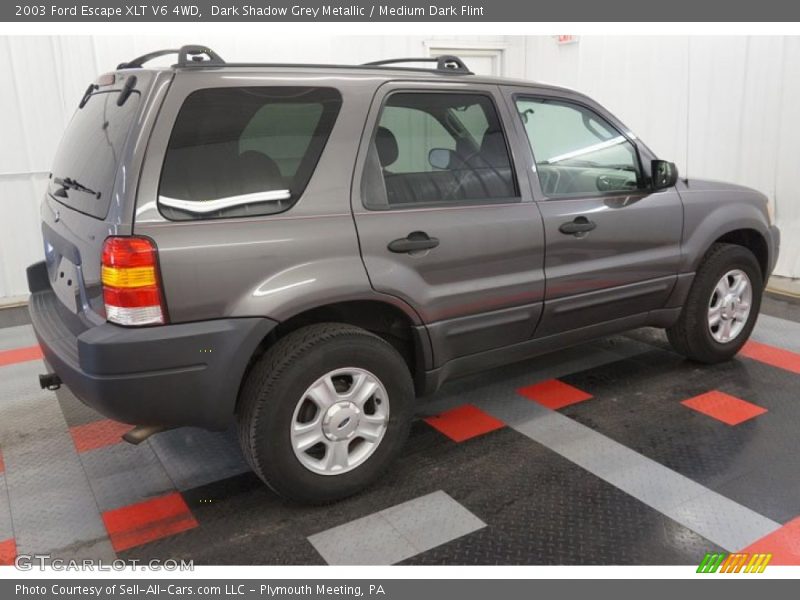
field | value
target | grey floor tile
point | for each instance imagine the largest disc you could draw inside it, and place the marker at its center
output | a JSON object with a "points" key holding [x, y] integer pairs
{"points": [[647, 482], [370, 540], [55, 521], [20, 400], [194, 457], [20, 336], [6, 528], [432, 520], [51, 503], [397, 533], [723, 521], [123, 474], [100, 549], [75, 412], [777, 332]]}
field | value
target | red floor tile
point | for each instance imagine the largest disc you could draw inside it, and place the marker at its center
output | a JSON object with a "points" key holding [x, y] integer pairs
{"points": [[724, 407], [783, 544], [98, 434], [18, 355], [464, 422], [553, 394], [8, 552], [777, 357], [144, 522]]}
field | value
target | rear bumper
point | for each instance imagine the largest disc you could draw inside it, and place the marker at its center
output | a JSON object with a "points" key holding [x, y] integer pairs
{"points": [[171, 375]]}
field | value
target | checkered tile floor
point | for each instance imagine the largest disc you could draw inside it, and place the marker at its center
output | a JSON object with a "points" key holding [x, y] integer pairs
{"points": [[614, 452]]}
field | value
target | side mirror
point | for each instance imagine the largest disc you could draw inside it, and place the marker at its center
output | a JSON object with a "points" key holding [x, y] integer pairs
{"points": [[664, 174], [440, 158]]}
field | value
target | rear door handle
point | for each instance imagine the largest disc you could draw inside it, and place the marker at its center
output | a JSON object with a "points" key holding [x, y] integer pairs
{"points": [[414, 241], [577, 226]]}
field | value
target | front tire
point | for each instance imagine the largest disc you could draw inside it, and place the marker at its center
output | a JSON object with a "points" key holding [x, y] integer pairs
{"points": [[722, 306], [324, 412]]}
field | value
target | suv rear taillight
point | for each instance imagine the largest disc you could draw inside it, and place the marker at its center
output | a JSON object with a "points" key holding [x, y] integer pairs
{"points": [[131, 284]]}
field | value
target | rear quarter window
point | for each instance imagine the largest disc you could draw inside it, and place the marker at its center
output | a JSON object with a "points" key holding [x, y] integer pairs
{"points": [[244, 151]]}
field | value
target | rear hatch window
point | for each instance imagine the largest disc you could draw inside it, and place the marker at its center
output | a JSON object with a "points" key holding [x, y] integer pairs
{"points": [[89, 153], [244, 151]]}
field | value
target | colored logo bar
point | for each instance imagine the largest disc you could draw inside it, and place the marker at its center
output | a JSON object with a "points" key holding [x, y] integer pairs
{"points": [[739, 562]]}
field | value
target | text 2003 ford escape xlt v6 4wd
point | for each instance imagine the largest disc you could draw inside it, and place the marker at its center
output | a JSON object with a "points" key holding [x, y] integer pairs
{"points": [[307, 249]]}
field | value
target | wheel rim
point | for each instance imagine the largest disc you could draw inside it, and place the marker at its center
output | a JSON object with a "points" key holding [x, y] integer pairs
{"points": [[340, 421], [729, 306]]}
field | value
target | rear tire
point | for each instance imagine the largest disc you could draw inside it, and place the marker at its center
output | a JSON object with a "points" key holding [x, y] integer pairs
{"points": [[713, 326], [324, 412]]}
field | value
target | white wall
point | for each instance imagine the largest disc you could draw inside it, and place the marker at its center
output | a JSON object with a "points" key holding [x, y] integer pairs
{"points": [[721, 107]]}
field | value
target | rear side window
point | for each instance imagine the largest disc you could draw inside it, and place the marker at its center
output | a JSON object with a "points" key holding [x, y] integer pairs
{"points": [[438, 148], [244, 151]]}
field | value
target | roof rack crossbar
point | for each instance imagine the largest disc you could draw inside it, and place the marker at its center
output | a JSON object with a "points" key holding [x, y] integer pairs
{"points": [[445, 63], [188, 56]]}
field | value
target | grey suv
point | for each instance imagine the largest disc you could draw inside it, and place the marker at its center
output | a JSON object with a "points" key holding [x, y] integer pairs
{"points": [[307, 249]]}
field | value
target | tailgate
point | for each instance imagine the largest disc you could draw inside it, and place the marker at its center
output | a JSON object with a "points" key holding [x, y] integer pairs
{"points": [[86, 198]]}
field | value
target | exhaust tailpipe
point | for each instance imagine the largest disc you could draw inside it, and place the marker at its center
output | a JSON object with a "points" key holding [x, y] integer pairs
{"points": [[49, 381], [141, 432]]}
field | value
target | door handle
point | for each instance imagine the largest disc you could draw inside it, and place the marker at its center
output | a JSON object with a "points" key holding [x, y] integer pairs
{"points": [[416, 240], [578, 226]]}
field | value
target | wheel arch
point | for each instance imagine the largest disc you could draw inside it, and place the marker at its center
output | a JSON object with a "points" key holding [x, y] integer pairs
{"points": [[754, 241], [394, 321], [734, 222]]}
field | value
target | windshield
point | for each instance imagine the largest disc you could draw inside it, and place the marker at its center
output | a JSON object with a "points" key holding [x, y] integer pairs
{"points": [[87, 158]]}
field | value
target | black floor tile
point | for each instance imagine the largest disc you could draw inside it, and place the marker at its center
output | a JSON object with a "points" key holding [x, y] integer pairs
{"points": [[637, 402], [539, 509]]}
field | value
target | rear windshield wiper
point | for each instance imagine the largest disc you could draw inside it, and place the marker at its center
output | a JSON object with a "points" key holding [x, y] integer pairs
{"points": [[124, 92], [68, 183]]}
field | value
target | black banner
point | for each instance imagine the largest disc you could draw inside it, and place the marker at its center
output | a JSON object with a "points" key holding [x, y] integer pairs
{"points": [[397, 11], [745, 586]]}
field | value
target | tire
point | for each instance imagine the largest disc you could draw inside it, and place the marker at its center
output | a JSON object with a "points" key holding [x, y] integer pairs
{"points": [[692, 335], [276, 400]]}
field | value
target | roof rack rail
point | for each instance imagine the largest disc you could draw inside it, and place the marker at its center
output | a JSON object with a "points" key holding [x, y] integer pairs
{"points": [[446, 63], [188, 56], [203, 56]]}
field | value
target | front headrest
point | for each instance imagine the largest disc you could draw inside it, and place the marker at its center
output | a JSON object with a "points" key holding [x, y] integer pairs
{"points": [[493, 149], [386, 144]]}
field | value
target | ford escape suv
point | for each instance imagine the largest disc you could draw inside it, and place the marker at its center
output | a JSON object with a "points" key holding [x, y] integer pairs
{"points": [[306, 249]]}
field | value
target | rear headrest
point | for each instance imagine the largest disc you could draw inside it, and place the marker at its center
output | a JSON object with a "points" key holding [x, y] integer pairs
{"points": [[259, 169], [386, 144]]}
